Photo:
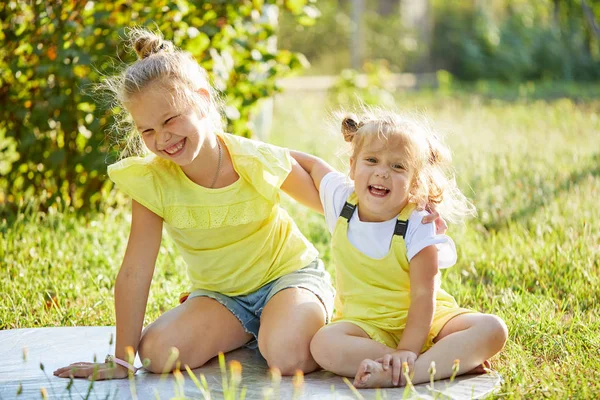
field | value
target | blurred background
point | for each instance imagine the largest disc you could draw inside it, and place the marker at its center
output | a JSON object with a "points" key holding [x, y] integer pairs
{"points": [[55, 136], [506, 40]]}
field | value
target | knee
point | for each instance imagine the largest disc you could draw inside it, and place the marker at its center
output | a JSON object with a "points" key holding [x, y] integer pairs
{"points": [[157, 352], [495, 331], [322, 349], [288, 357]]}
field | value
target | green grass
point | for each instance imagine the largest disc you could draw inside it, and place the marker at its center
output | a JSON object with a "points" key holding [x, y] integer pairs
{"points": [[532, 256]]}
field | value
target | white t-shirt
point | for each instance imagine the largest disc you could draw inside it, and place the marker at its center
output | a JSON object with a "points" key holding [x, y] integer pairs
{"points": [[374, 238]]}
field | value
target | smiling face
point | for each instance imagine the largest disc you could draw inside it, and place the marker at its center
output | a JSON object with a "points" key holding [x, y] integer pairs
{"points": [[383, 176], [171, 132]]}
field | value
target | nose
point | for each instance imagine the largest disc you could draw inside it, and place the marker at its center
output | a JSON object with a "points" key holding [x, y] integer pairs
{"points": [[163, 137], [382, 173]]}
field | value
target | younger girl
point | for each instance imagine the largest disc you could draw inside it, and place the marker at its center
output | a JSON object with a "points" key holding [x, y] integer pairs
{"points": [[253, 275], [389, 304]]}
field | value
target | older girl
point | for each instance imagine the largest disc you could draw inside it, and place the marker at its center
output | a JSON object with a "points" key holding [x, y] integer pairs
{"points": [[254, 278]]}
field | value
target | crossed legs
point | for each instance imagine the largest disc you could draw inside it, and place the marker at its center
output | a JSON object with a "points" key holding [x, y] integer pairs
{"points": [[472, 338]]}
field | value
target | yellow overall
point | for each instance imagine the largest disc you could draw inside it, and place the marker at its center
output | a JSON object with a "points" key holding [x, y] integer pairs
{"points": [[374, 294]]}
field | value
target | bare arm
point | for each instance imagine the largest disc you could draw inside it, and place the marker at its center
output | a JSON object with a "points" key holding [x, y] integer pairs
{"points": [[316, 167], [131, 295], [301, 184], [133, 281], [423, 269]]}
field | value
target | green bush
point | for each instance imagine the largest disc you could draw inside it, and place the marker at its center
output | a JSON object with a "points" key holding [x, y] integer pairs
{"points": [[516, 42], [506, 40], [52, 132]]}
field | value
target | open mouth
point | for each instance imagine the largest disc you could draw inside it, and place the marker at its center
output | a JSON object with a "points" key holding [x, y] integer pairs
{"points": [[378, 191], [176, 148]]}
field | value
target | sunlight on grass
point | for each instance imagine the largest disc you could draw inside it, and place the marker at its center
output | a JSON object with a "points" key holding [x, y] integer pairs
{"points": [[532, 256]]}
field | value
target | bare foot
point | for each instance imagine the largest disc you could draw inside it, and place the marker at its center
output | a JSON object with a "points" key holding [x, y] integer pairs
{"points": [[480, 369], [370, 374]]}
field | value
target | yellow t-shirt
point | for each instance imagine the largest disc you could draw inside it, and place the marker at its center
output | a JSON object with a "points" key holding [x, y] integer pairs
{"points": [[234, 239]]}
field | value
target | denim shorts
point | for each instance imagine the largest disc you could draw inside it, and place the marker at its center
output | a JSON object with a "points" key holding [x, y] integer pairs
{"points": [[248, 308]]}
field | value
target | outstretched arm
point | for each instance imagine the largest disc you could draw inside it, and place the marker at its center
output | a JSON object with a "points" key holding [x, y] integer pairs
{"points": [[131, 295], [316, 167], [303, 181], [133, 282]]}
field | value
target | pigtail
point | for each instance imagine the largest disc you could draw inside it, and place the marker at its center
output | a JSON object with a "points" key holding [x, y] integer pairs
{"points": [[350, 126], [435, 185], [439, 154], [443, 192]]}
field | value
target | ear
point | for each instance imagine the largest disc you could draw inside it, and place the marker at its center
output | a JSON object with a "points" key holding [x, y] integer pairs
{"points": [[204, 93], [352, 165], [205, 97]]}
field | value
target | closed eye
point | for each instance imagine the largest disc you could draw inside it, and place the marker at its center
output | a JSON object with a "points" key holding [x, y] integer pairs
{"points": [[147, 131], [170, 119]]}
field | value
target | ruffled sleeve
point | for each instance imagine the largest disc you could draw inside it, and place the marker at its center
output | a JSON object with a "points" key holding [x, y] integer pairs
{"points": [[134, 176], [263, 165]]}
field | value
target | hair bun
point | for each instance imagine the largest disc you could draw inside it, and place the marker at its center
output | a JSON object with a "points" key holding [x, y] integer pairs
{"points": [[349, 127], [146, 43]]}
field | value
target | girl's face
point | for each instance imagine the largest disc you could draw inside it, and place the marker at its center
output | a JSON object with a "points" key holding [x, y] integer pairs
{"points": [[173, 133], [382, 179]]}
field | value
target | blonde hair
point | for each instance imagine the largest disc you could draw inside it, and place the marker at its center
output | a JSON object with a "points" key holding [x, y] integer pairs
{"points": [[434, 184], [160, 66]]}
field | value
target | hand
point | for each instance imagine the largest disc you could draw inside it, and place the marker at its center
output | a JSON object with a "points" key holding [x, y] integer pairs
{"points": [[95, 371], [440, 225], [396, 359]]}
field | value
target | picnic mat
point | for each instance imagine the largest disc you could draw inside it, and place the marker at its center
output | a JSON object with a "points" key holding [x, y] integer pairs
{"points": [[29, 356]]}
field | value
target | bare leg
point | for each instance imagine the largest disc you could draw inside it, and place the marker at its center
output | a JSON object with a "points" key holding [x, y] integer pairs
{"points": [[480, 369], [287, 325], [200, 328], [341, 347], [470, 338]]}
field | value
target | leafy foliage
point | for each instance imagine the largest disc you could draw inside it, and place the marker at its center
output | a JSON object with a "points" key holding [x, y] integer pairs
{"points": [[52, 138], [507, 40], [516, 40]]}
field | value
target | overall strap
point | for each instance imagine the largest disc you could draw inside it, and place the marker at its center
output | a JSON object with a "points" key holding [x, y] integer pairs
{"points": [[348, 210], [349, 207], [402, 222], [401, 225], [401, 228]]}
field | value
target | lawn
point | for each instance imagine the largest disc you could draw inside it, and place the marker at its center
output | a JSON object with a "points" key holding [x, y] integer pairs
{"points": [[531, 256]]}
